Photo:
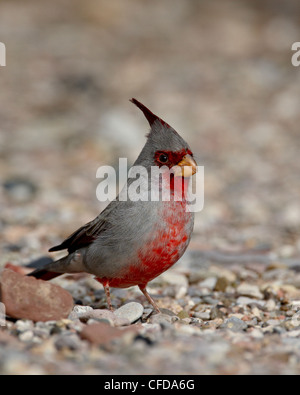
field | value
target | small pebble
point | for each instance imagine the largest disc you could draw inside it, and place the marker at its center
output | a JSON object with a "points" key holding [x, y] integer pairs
{"points": [[209, 283], [205, 316], [244, 300], [234, 324], [26, 336], [24, 325], [69, 341], [80, 312], [270, 305], [20, 190], [249, 290], [162, 319]]}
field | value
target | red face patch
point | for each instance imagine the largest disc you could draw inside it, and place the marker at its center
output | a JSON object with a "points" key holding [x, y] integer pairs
{"points": [[170, 158]]}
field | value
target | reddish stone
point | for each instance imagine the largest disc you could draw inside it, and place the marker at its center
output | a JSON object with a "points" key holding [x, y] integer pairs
{"points": [[103, 334], [18, 269], [32, 299]]}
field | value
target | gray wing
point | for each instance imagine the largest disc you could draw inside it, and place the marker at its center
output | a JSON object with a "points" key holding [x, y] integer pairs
{"points": [[88, 233]]}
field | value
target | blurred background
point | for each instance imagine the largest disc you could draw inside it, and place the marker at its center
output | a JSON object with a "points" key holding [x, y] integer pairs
{"points": [[219, 72]]}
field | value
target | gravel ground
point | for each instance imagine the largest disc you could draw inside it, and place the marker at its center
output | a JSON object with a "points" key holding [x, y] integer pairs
{"points": [[221, 74]]}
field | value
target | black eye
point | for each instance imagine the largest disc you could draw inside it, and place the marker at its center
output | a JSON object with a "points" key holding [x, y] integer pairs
{"points": [[163, 158]]}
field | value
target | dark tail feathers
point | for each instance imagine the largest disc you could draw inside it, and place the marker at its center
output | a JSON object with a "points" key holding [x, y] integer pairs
{"points": [[43, 274]]}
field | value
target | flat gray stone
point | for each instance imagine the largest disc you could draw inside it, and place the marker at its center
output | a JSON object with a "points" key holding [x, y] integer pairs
{"points": [[87, 314], [131, 311]]}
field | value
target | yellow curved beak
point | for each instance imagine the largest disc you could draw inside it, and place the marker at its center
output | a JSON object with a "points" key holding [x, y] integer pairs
{"points": [[187, 167]]}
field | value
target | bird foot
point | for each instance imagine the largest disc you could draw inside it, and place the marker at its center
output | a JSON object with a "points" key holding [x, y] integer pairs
{"points": [[108, 298], [148, 297], [142, 288]]}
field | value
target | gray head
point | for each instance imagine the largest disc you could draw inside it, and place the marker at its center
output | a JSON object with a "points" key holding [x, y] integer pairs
{"points": [[164, 146]]}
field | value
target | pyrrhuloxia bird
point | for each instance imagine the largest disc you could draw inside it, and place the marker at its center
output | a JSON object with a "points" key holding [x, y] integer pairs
{"points": [[132, 242]]}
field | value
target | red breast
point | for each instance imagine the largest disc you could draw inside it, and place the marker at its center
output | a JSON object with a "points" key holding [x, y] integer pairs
{"points": [[164, 248]]}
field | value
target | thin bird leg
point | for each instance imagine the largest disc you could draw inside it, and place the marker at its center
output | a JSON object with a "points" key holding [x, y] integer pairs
{"points": [[108, 299], [148, 297]]}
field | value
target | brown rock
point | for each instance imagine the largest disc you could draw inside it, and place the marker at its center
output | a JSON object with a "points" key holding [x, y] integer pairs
{"points": [[36, 300], [103, 334], [222, 284]]}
